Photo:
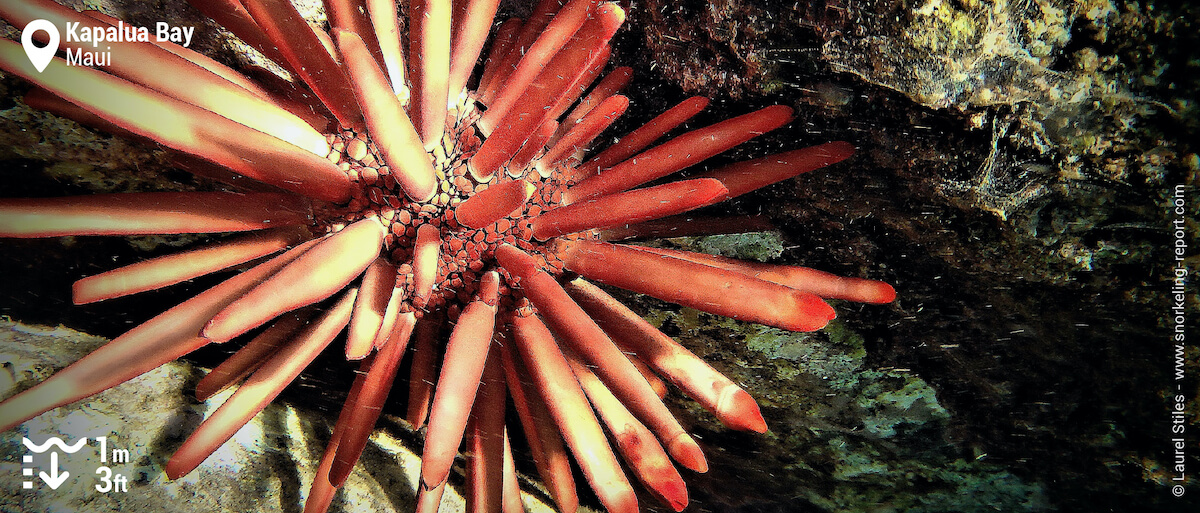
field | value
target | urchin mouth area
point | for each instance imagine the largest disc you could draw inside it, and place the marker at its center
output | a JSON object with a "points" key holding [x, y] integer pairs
{"points": [[466, 247]]}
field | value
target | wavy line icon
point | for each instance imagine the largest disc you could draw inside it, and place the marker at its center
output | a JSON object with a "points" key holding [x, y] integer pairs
{"points": [[54, 441]]}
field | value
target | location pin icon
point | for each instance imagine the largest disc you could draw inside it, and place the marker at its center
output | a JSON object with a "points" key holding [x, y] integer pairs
{"points": [[40, 57]]}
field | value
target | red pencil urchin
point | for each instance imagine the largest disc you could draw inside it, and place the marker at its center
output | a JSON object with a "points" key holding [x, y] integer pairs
{"points": [[383, 203]]}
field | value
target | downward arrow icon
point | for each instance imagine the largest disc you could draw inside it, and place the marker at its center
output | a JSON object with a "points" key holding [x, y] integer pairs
{"points": [[54, 479]]}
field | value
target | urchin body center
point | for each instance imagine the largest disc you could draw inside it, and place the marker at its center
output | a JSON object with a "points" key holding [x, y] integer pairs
{"points": [[464, 253]]}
